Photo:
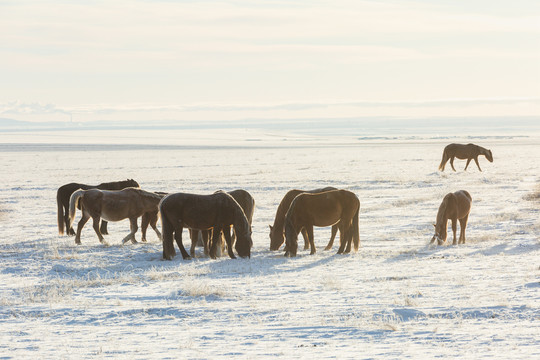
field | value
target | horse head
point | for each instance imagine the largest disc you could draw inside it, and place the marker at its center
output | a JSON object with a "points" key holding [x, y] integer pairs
{"points": [[489, 156], [132, 183], [243, 244], [276, 238], [439, 235]]}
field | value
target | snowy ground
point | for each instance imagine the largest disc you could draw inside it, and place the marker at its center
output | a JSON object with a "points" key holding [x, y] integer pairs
{"points": [[397, 297]]}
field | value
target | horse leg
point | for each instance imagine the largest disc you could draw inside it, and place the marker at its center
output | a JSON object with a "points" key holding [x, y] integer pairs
{"points": [[153, 224], [454, 230], [85, 217], [306, 238], [145, 220], [309, 230], [206, 236], [342, 240], [332, 238], [228, 239], [452, 163], [462, 226], [194, 236], [133, 229], [95, 220], [103, 228], [467, 165], [216, 233], [477, 164], [178, 237], [348, 239]]}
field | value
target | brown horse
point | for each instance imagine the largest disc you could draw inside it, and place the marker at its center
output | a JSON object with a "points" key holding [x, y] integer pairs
{"points": [[462, 151], [246, 202], [455, 206], [217, 211], [336, 207], [277, 231], [64, 193], [129, 203]]}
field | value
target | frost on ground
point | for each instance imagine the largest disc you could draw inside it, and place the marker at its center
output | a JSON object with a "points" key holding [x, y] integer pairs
{"points": [[397, 297]]}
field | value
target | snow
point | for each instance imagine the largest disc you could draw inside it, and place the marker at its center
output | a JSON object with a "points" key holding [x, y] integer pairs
{"points": [[398, 297]]}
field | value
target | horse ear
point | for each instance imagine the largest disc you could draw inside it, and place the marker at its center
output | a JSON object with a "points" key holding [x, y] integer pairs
{"points": [[435, 226], [271, 227]]}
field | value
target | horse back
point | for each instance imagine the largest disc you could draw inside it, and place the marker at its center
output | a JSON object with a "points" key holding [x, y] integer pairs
{"points": [[463, 151], [195, 211], [326, 208]]}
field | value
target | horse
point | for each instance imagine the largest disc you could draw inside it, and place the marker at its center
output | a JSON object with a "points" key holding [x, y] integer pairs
{"points": [[246, 202], [335, 207], [151, 218], [455, 206], [277, 230], [64, 193], [217, 211], [129, 203], [462, 151]]}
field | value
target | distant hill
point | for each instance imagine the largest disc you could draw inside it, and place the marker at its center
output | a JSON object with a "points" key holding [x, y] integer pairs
{"points": [[5, 122]]}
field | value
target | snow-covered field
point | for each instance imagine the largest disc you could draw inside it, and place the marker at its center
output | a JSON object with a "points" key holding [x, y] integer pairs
{"points": [[397, 297]]}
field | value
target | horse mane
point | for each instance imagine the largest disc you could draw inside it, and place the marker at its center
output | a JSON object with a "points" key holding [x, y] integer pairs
{"points": [[282, 209], [289, 213], [238, 211], [442, 209], [147, 194]]}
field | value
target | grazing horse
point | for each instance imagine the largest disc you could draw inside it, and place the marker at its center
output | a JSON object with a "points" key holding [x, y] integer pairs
{"points": [[129, 203], [246, 202], [277, 231], [462, 151], [217, 211], [455, 206], [336, 207], [64, 193]]}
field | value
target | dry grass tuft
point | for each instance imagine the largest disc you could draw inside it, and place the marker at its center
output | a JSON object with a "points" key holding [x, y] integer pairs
{"points": [[533, 196]]}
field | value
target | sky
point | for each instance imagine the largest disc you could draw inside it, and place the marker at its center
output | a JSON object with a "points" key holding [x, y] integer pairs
{"points": [[232, 60]]}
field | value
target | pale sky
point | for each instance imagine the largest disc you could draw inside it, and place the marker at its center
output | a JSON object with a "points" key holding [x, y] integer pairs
{"points": [[225, 60]]}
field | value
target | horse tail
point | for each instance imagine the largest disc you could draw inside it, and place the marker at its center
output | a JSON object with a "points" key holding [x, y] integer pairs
{"points": [[444, 160], [73, 200], [60, 219], [356, 234]]}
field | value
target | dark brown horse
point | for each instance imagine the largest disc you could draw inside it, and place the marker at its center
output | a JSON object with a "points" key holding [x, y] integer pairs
{"points": [[217, 211], [455, 206], [246, 202], [462, 151], [129, 203], [277, 231], [64, 193], [336, 207]]}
